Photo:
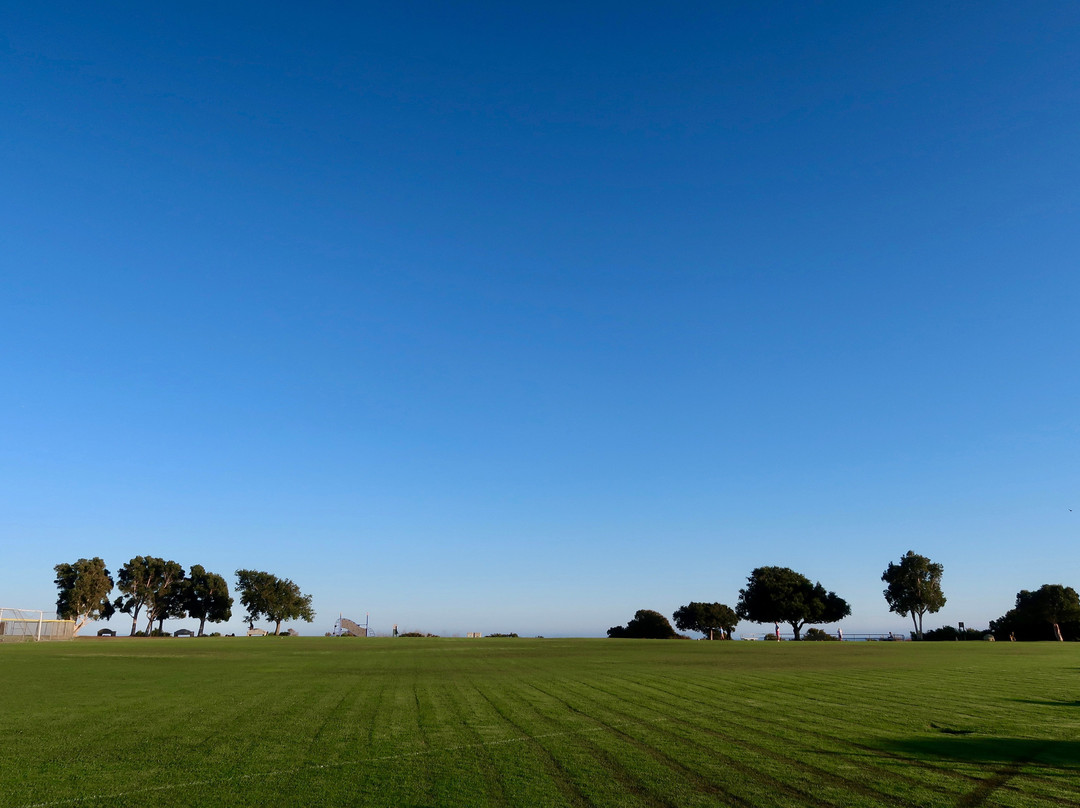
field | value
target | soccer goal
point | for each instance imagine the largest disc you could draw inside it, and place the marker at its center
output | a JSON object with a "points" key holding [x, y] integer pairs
{"points": [[30, 625]]}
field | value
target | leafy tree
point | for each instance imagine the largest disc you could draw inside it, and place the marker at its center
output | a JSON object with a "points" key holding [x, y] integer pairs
{"points": [[165, 596], [134, 582], [781, 595], [84, 591], [646, 625], [279, 599], [1052, 612], [714, 620], [914, 587], [206, 597]]}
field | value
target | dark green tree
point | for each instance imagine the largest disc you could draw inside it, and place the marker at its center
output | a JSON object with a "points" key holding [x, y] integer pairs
{"points": [[914, 587], [278, 599], [1052, 612], [714, 620], [84, 589], [646, 625], [166, 592], [206, 597], [781, 595], [134, 582]]}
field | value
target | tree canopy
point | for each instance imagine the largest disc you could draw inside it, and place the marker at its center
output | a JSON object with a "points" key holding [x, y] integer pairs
{"points": [[134, 582], [914, 587], [1052, 612], [278, 599], [781, 595], [84, 589], [206, 597], [714, 620], [166, 592], [646, 625]]}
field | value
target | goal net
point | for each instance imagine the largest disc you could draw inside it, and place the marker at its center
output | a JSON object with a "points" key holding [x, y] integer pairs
{"points": [[29, 625]]}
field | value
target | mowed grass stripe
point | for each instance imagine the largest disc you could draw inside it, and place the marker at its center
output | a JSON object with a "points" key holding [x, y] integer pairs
{"points": [[710, 771], [588, 778], [948, 714], [647, 772], [952, 770], [831, 754], [728, 760], [824, 759]]}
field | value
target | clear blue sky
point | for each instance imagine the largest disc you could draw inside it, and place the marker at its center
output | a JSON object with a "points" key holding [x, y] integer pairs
{"points": [[486, 318]]}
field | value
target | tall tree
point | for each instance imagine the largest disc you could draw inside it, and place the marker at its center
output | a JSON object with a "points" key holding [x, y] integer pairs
{"points": [[84, 589], [278, 599], [914, 587], [781, 595], [134, 581], [646, 625], [165, 592], [711, 619], [206, 597], [1050, 612]]}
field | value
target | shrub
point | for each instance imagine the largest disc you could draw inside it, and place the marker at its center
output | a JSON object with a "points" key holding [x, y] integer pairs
{"points": [[951, 633], [416, 634], [502, 635], [818, 635], [646, 624]]}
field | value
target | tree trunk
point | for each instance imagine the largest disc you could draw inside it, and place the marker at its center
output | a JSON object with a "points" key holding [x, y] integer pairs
{"points": [[202, 625], [797, 628], [277, 628], [917, 625], [1057, 633]]}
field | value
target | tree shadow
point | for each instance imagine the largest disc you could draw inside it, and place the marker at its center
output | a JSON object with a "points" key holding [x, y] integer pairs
{"points": [[1027, 752], [1049, 702]]}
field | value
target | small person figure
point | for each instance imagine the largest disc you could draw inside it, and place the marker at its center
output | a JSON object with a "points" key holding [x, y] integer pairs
{"points": [[778, 632], [839, 634]]}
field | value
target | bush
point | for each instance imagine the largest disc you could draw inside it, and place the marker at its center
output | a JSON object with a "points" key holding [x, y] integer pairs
{"points": [[646, 625], [416, 634], [951, 633], [818, 635], [502, 635]]}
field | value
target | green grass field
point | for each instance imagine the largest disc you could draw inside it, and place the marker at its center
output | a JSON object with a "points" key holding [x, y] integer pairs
{"points": [[493, 722]]}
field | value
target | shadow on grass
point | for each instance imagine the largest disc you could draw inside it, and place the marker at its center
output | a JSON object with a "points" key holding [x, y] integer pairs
{"points": [[1049, 702], [992, 751]]}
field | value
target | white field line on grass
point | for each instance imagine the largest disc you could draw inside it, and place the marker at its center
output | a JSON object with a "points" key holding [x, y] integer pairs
{"points": [[317, 766]]}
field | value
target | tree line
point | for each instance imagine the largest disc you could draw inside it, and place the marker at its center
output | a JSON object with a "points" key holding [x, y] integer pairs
{"points": [[160, 590], [771, 595], [913, 589]]}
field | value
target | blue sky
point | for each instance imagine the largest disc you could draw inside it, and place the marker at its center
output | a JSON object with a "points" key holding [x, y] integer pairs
{"points": [[483, 318]]}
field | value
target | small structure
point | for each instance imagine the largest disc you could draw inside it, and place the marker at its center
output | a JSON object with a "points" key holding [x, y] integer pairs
{"points": [[18, 625], [106, 632], [472, 635], [344, 627], [256, 632], [184, 632]]}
